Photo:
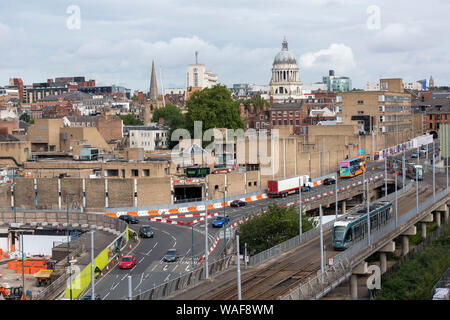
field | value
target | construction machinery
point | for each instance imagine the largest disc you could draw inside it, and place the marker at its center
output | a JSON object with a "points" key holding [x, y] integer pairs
{"points": [[14, 293], [43, 276]]}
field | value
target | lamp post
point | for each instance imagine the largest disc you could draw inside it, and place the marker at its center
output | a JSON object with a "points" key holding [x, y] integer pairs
{"points": [[368, 213], [225, 228], [13, 186], [23, 274], [192, 228], [206, 240], [69, 194], [300, 209], [385, 177]]}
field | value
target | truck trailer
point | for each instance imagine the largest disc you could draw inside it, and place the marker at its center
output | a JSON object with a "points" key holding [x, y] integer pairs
{"points": [[284, 187]]}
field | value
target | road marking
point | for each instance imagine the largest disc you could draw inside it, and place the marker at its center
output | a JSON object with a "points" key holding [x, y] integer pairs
{"points": [[142, 277], [167, 278], [106, 295], [175, 268], [165, 267], [141, 259]]}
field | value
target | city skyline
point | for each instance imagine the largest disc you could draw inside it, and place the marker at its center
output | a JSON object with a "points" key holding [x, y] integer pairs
{"points": [[116, 46]]}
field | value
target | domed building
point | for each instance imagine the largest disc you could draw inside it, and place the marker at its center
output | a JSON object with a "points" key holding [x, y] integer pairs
{"points": [[285, 83]]}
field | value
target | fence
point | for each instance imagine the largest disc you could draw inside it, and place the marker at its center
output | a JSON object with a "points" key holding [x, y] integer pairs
{"points": [[355, 253], [443, 282], [185, 281]]}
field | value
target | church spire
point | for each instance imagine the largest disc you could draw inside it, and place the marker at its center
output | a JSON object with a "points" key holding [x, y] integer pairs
{"points": [[153, 93]]}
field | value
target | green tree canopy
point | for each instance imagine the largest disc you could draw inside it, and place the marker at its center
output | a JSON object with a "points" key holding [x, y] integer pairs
{"points": [[215, 108], [25, 117], [130, 120], [277, 225], [172, 116]]}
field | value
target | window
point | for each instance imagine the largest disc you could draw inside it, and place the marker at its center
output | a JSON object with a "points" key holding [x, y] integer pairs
{"points": [[285, 122], [146, 172], [279, 122], [273, 122], [290, 121], [296, 122], [285, 113], [134, 172], [261, 117], [254, 183], [296, 113], [290, 113], [360, 101], [360, 112], [273, 113]]}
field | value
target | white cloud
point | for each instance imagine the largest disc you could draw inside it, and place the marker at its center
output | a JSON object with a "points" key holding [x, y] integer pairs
{"points": [[4, 30], [400, 37], [337, 56]]}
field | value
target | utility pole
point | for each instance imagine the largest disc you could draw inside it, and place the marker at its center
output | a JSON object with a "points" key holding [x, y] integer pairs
{"points": [[403, 170], [92, 267], [364, 188], [130, 290], [300, 209], [14, 194], [23, 271], [322, 267], [417, 192], [238, 269], [68, 245], [368, 213], [206, 241], [336, 193], [192, 227], [385, 177], [434, 176], [396, 201]]}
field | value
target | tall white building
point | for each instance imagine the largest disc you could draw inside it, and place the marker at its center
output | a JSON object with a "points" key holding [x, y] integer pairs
{"points": [[285, 83], [198, 77]]}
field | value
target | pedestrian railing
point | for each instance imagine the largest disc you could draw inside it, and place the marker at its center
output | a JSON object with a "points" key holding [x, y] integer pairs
{"points": [[353, 255], [307, 236], [185, 281]]}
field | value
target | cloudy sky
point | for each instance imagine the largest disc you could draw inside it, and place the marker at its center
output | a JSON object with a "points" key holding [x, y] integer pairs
{"points": [[114, 41]]}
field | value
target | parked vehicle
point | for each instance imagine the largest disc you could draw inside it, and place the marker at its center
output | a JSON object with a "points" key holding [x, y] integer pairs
{"points": [[127, 262], [284, 187], [415, 154], [145, 231], [171, 255], [328, 181], [129, 219], [220, 221], [237, 203]]}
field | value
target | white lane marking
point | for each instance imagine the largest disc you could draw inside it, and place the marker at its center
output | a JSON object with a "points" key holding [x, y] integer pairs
{"points": [[165, 267], [124, 277], [106, 295], [167, 278], [142, 277], [141, 260], [154, 267]]}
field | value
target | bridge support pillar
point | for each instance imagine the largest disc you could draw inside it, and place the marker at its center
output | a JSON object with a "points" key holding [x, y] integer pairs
{"points": [[344, 206], [390, 247], [383, 262], [354, 286], [424, 230], [438, 219], [405, 245], [446, 218]]}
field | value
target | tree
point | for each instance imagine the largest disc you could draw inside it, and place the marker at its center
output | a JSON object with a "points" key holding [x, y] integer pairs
{"points": [[130, 120], [215, 108], [172, 116], [25, 117], [276, 225]]}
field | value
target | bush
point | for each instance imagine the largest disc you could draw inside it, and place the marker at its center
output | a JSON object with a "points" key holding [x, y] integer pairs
{"points": [[277, 225]]}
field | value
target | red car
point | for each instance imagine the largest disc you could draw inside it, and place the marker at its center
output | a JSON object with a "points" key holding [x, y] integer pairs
{"points": [[127, 262]]}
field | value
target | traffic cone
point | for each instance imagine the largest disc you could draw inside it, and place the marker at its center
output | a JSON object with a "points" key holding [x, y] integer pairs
{"points": [[130, 246], [107, 268]]}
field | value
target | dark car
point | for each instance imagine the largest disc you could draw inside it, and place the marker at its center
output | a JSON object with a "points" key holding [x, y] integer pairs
{"points": [[129, 219], [329, 181], [415, 154], [171, 255], [88, 297], [145, 231], [237, 203]]}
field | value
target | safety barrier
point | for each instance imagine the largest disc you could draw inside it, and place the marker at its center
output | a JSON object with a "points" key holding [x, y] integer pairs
{"points": [[83, 279], [185, 281], [355, 253], [307, 236]]}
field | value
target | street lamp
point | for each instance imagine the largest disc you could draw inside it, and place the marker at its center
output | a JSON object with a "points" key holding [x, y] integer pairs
{"points": [[225, 228], [69, 194]]}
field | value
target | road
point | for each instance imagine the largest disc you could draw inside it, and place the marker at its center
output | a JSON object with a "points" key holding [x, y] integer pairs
{"points": [[152, 271]]}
